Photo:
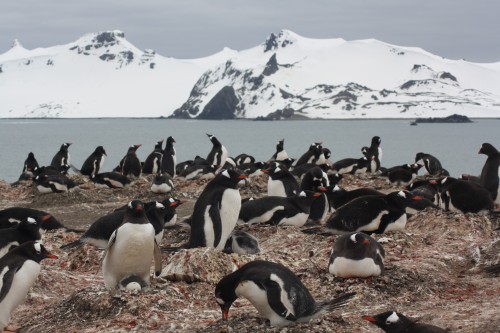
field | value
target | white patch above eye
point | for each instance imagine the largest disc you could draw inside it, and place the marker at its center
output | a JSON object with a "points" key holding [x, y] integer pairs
{"points": [[278, 169], [220, 301], [31, 220], [171, 200], [38, 247], [353, 238], [402, 194], [225, 173], [336, 188], [13, 220], [393, 318], [130, 205], [302, 194], [159, 205]]}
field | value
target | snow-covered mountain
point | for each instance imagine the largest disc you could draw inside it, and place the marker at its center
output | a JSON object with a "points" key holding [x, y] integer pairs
{"points": [[287, 76]]}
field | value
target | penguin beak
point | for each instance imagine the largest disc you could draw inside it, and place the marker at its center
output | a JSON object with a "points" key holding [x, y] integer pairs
{"points": [[242, 176], [44, 218], [51, 256], [370, 319], [417, 198], [225, 312], [316, 194], [322, 189], [366, 241], [265, 171]]}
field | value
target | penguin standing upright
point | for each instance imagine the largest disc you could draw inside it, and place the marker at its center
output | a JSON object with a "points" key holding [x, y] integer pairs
{"points": [[280, 154], [130, 250], [93, 164], [356, 255], [491, 171], [130, 164], [395, 322], [315, 180], [275, 291], [19, 269], [431, 164], [373, 154], [218, 155], [281, 182], [152, 164], [27, 230], [216, 211], [312, 155], [61, 158], [169, 162], [29, 167]]}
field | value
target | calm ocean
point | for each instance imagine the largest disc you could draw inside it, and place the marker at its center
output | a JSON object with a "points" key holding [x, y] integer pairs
{"points": [[456, 145]]}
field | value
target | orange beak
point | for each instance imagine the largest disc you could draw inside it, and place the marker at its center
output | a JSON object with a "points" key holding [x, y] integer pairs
{"points": [[370, 319], [44, 218], [51, 256], [366, 241], [242, 176], [225, 314]]}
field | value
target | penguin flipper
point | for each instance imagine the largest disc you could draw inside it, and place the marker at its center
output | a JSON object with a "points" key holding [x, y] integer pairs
{"points": [[157, 258], [6, 281], [214, 213], [278, 298], [111, 242]]}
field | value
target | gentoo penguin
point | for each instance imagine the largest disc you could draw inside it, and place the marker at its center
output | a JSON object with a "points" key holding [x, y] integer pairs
{"points": [[162, 183], [99, 232], [338, 196], [152, 164], [50, 170], [351, 165], [130, 164], [218, 155], [131, 249], [280, 154], [334, 178], [27, 230], [169, 162], [199, 171], [182, 166], [427, 189], [395, 322], [244, 159], [93, 164], [253, 169], [490, 173], [61, 158], [464, 197], [431, 164], [29, 167], [278, 210], [19, 270], [375, 148], [403, 175], [356, 255], [110, 180], [312, 155], [315, 180], [170, 217], [53, 183], [371, 214], [281, 182], [275, 291], [216, 211], [12, 216], [241, 242]]}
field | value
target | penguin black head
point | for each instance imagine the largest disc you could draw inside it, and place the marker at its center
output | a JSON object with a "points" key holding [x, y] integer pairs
{"points": [[359, 239], [390, 321], [136, 208], [133, 148], [280, 145], [34, 224], [230, 177], [159, 145], [376, 141], [419, 156], [65, 146], [172, 202], [100, 151], [327, 152], [214, 140], [170, 140], [488, 149], [225, 293], [34, 251]]}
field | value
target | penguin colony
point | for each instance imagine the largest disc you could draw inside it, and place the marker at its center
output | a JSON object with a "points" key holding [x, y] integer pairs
{"points": [[299, 192]]}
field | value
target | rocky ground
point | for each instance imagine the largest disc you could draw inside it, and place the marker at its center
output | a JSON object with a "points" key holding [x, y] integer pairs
{"points": [[434, 271]]}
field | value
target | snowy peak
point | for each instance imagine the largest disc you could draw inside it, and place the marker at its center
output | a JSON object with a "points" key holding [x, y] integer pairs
{"points": [[17, 44], [284, 38]]}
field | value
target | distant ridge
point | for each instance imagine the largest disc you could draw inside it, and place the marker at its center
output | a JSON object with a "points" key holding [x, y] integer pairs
{"points": [[288, 76], [455, 118]]}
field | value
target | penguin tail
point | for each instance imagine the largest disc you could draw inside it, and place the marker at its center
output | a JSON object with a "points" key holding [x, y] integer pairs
{"points": [[72, 245], [75, 169], [76, 231], [335, 303], [317, 231], [170, 249], [493, 270]]}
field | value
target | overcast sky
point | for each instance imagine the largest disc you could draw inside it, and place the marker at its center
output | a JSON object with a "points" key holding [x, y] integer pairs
{"points": [[196, 28]]}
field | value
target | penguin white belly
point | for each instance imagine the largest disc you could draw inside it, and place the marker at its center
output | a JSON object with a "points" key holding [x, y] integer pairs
{"points": [[44, 190], [59, 187], [361, 171], [131, 253], [298, 220], [193, 174], [208, 228], [282, 155], [397, 225], [258, 297], [7, 247], [161, 188], [349, 268], [23, 280], [171, 222], [373, 166], [229, 212], [155, 166], [275, 188], [321, 160], [114, 183], [346, 169], [101, 163], [264, 217], [224, 155], [159, 237], [374, 224]]}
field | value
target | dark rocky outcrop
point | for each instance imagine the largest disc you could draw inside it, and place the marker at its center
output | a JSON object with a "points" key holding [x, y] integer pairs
{"points": [[449, 76], [271, 43], [271, 66], [455, 118], [221, 106]]}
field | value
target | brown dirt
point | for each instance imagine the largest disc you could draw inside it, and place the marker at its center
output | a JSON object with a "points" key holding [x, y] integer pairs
{"points": [[433, 271]]}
